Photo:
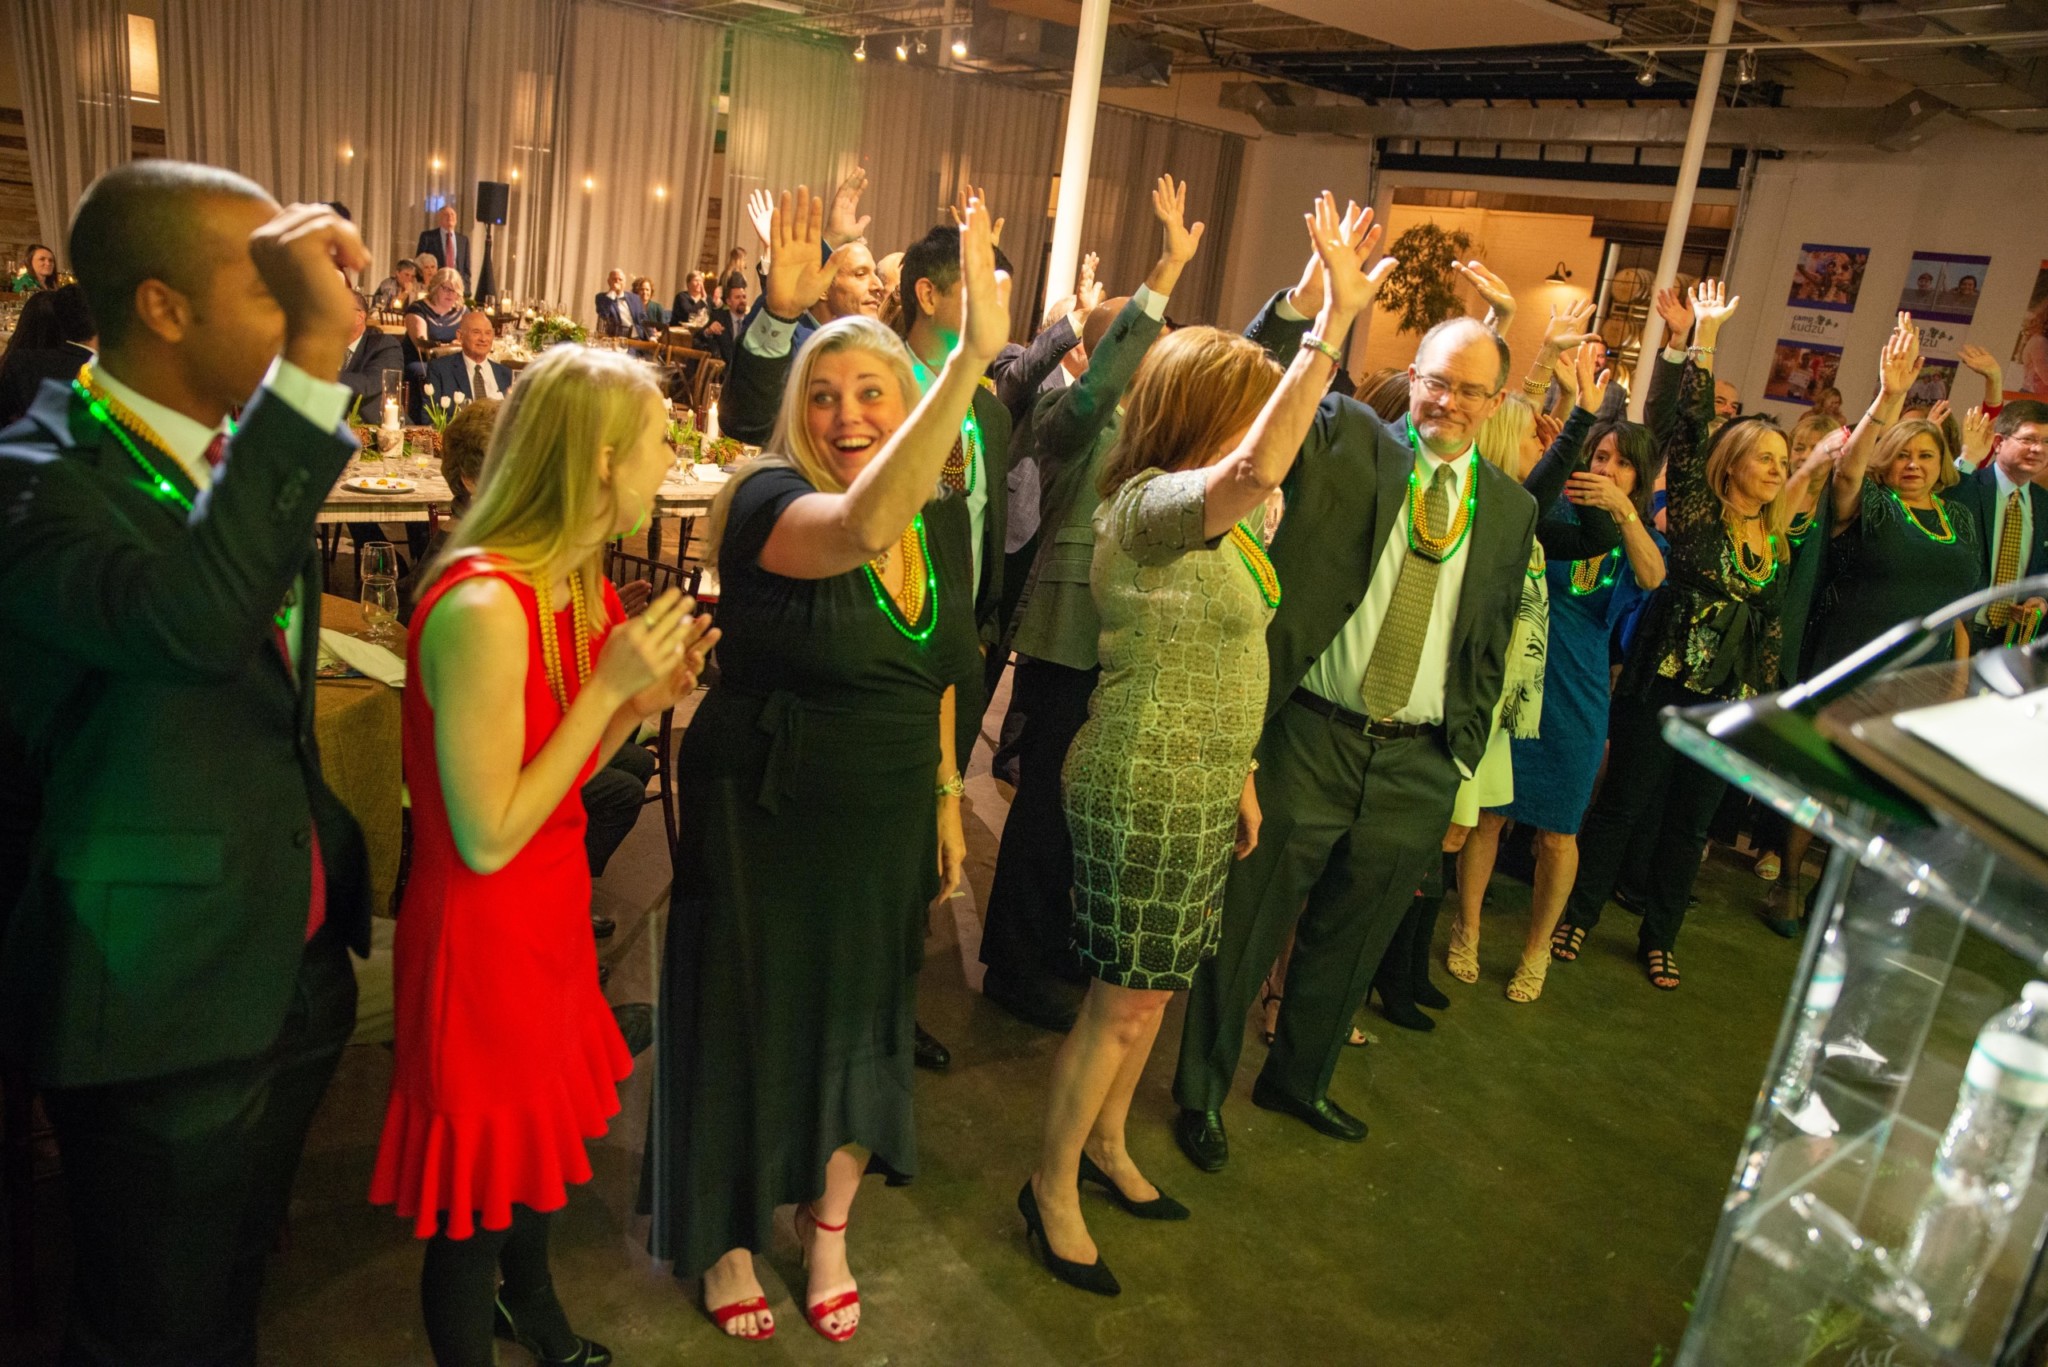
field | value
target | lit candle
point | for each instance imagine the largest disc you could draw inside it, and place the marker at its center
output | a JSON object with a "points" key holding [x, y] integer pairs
{"points": [[711, 422], [390, 412]]}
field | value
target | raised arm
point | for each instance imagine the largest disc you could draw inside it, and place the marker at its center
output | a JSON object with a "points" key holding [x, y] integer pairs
{"points": [[822, 534], [1660, 404], [1692, 504], [1986, 365], [1897, 368], [1500, 300], [1242, 480]]}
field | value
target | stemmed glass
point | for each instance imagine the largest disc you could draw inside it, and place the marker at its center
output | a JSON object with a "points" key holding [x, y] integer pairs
{"points": [[377, 565]]}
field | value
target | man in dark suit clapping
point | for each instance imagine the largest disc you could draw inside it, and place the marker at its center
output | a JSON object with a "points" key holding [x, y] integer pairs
{"points": [[175, 973], [470, 373], [445, 245]]}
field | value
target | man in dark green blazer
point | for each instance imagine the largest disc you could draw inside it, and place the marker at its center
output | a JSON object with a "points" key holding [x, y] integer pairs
{"points": [[1380, 700], [175, 970]]}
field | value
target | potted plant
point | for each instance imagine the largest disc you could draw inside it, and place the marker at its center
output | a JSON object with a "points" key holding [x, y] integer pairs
{"points": [[1423, 289]]}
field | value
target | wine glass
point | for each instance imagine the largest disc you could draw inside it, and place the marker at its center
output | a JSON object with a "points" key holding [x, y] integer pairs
{"points": [[377, 565]]}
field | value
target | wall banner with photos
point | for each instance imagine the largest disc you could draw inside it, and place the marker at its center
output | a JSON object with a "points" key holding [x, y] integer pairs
{"points": [[1826, 282]]}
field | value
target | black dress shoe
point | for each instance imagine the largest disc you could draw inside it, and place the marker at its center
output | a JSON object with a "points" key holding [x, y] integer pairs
{"points": [[1047, 1006], [1160, 1207], [1402, 1013], [930, 1053], [602, 926], [1200, 1136], [1321, 1115]]}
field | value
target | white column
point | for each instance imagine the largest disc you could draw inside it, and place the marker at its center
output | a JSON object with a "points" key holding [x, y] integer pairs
{"points": [[1703, 101], [1073, 200]]}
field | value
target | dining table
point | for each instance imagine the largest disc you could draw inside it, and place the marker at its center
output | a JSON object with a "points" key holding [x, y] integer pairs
{"points": [[356, 724], [420, 494]]}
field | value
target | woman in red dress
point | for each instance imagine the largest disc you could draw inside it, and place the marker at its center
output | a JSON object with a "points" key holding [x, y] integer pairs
{"points": [[507, 1055]]}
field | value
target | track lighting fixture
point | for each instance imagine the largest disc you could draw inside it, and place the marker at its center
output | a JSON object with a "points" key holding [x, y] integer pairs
{"points": [[1648, 75], [860, 50]]}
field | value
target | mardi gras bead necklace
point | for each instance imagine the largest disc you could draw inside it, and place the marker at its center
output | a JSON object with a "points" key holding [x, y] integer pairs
{"points": [[1419, 539], [1945, 537], [1253, 552], [1592, 575], [922, 589], [551, 647]]}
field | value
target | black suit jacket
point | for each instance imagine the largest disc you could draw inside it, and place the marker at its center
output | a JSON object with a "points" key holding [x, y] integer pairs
{"points": [[1344, 499], [1020, 371], [363, 372], [611, 323], [1978, 491], [430, 242], [171, 755], [752, 397], [449, 375]]}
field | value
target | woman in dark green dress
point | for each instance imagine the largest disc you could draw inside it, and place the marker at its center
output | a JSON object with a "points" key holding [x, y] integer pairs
{"points": [[820, 806]]}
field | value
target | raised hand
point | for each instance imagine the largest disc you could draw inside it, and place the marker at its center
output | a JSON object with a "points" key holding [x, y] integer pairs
{"points": [[970, 192], [1676, 312], [846, 222], [1977, 359], [1820, 461], [1548, 430], [1343, 244], [1491, 288], [798, 271], [1589, 490], [1306, 297], [986, 328], [1938, 414], [1712, 305], [760, 213], [1170, 207], [1978, 438], [297, 253], [1593, 380], [1900, 364], [1088, 293], [1567, 327]]}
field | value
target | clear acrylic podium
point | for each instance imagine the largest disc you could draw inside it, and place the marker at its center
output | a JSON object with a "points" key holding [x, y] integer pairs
{"points": [[1935, 898]]}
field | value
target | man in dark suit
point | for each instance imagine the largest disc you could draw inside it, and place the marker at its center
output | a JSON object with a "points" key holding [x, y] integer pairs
{"points": [[370, 353], [2011, 511], [469, 373], [720, 333], [175, 973], [1403, 570], [619, 311], [445, 245]]}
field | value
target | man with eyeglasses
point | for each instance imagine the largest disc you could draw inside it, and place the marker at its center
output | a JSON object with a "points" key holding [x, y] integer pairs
{"points": [[2012, 509], [1401, 560]]}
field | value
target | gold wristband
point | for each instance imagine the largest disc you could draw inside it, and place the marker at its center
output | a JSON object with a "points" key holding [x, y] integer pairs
{"points": [[952, 787], [1314, 343]]}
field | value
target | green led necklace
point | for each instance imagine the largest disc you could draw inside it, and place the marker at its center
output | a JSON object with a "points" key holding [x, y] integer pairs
{"points": [[1947, 535], [1250, 550], [1423, 544], [1741, 558], [1590, 576], [887, 602]]}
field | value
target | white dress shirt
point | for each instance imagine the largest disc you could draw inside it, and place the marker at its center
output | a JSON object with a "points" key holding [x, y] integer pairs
{"points": [[1338, 675], [319, 402], [489, 389]]}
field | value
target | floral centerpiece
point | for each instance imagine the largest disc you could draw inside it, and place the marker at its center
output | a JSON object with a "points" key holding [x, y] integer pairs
{"points": [[441, 411], [553, 328], [724, 451]]}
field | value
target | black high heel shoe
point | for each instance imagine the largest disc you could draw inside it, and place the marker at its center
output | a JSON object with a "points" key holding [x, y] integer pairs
{"points": [[588, 1354], [1160, 1207], [1094, 1276]]}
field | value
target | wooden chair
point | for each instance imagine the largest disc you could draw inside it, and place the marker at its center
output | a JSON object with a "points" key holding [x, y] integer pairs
{"points": [[710, 371], [622, 566]]}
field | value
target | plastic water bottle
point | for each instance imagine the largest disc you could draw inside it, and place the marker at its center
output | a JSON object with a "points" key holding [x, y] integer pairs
{"points": [[1984, 1163], [1792, 1096]]}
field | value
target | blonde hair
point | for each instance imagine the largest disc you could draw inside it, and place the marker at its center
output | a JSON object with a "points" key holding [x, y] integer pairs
{"points": [[1812, 427], [540, 491], [1899, 435], [446, 278], [1736, 440], [1501, 436], [1196, 389], [790, 446]]}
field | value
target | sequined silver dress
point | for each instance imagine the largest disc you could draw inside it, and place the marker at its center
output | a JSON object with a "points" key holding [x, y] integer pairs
{"points": [[1153, 779]]}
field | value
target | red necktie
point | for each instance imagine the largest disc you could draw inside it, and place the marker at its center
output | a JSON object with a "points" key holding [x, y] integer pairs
{"points": [[217, 450]]}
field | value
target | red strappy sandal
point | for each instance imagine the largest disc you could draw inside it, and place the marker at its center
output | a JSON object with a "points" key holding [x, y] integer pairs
{"points": [[823, 1310], [722, 1315]]}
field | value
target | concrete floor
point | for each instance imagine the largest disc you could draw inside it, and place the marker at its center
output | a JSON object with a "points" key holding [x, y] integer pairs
{"points": [[1540, 1185]]}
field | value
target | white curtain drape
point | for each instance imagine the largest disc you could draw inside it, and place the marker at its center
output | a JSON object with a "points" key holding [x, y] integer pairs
{"points": [[794, 120], [510, 90], [632, 159], [1131, 152], [72, 56]]}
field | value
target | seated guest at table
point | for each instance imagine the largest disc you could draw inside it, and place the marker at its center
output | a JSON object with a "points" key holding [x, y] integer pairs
{"points": [[619, 310], [470, 373], [52, 339], [428, 266], [506, 1055], [788, 984], [399, 288], [449, 247], [692, 306], [431, 322], [370, 354], [159, 593], [40, 273], [720, 332]]}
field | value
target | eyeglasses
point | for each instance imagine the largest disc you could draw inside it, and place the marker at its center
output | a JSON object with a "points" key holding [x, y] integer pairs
{"points": [[1440, 389], [2026, 443]]}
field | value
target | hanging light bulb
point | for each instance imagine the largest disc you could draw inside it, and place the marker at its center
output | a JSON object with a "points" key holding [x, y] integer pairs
{"points": [[860, 51], [1648, 75], [1745, 67], [959, 47], [902, 52], [920, 45]]}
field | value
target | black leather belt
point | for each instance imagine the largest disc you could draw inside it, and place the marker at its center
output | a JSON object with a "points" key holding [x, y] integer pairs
{"points": [[1359, 722]]}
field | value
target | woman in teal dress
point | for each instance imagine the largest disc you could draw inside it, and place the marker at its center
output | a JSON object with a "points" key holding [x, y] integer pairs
{"points": [[820, 805], [1158, 783]]}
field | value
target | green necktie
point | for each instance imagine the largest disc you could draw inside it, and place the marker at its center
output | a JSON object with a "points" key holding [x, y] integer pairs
{"points": [[1390, 675]]}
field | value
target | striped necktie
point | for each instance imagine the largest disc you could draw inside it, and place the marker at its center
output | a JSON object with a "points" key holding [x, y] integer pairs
{"points": [[1390, 674], [2006, 567]]}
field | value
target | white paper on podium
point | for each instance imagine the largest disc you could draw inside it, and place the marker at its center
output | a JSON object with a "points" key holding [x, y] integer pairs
{"points": [[2002, 740]]}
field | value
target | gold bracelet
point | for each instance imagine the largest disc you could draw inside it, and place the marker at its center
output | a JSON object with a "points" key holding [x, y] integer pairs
{"points": [[952, 787], [1630, 518], [1311, 342]]}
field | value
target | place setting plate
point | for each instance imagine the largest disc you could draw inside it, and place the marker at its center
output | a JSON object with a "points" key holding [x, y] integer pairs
{"points": [[378, 484]]}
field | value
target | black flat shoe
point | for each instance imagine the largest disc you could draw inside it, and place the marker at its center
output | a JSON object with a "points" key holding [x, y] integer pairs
{"points": [[1094, 1276], [1160, 1207], [588, 1354], [1402, 1014], [1322, 1115], [1200, 1136], [930, 1053], [1047, 1006], [603, 927]]}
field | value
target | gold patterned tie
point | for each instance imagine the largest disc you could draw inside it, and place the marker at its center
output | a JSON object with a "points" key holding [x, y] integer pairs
{"points": [[2006, 567], [953, 474], [1390, 675]]}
